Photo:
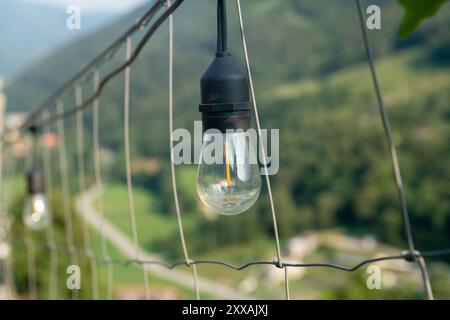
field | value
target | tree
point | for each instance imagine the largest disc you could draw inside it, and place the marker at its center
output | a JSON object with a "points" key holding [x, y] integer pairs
{"points": [[415, 12]]}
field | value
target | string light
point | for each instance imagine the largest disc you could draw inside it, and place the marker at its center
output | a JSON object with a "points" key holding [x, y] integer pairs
{"points": [[230, 183], [36, 213]]}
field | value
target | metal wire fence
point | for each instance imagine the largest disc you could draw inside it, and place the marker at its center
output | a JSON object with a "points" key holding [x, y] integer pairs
{"points": [[40, 119]]}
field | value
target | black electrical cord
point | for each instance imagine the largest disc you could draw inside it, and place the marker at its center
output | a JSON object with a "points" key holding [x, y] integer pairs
{"points": [[35, 179], [34, 149], [221, 26]]}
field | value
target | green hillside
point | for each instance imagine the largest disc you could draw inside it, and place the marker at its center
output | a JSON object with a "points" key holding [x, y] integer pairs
{"points": [[288, 40]]}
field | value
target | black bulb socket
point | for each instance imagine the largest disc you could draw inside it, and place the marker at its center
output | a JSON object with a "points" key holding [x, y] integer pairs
{"points": [[225, 95], [35, 182]]}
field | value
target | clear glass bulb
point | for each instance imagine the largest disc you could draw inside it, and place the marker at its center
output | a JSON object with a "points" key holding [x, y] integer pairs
{"points": [[36, 212], [5, 250], [231, 186]]}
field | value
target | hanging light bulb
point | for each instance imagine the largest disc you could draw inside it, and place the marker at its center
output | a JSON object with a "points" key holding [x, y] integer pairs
{"points": [[5, 225], [231, 185], [36, 210]]}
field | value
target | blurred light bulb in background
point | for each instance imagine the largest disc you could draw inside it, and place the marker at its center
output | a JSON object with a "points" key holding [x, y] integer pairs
{"points": [[233, 185], [5, 225], [36, 212], [5, 250]]}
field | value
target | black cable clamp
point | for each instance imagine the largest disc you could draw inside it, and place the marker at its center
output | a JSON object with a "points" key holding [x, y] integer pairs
{"points": [[278, 264], [410, 256], [33, 130]]}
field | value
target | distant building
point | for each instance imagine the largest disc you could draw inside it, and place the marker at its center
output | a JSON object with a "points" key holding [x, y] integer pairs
{"points": [[300, 246]]}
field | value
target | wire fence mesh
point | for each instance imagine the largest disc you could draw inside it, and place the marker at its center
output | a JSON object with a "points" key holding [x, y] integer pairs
{"points": [[41, 119]]}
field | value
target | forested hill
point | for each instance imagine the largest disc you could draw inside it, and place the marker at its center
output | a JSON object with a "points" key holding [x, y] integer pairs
{"points": [[311, 82], [28, 31], [289, 40]]}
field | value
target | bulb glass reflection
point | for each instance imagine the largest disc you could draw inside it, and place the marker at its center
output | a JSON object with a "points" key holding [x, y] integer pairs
{"points": [[231, 184], [36, 214]]}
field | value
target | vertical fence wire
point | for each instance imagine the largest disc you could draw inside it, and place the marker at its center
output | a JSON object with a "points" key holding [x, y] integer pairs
{"points": [[286, 283], [261, 144], [392, 154], [82, 190], [131, 207], [9, 262], [99, 185], [172, 163], [31, 266], [9, 170], [67, 206], [4, 219], [3, 222], [29, 242], [50, 232]]}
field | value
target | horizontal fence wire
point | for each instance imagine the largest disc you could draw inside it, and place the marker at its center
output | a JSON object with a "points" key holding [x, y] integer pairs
{"points": [[35, 121], [405, 255]]}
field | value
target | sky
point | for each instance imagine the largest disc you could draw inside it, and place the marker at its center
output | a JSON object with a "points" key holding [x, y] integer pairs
{"points": [[94, 6]]}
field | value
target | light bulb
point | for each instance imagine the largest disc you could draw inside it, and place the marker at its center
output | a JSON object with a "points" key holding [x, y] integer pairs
{"points": [[230, 186], [36, 212], [5, 250]]}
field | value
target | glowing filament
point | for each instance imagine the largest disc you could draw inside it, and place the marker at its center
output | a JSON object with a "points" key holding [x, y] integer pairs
{"points": [[227, 164]]}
